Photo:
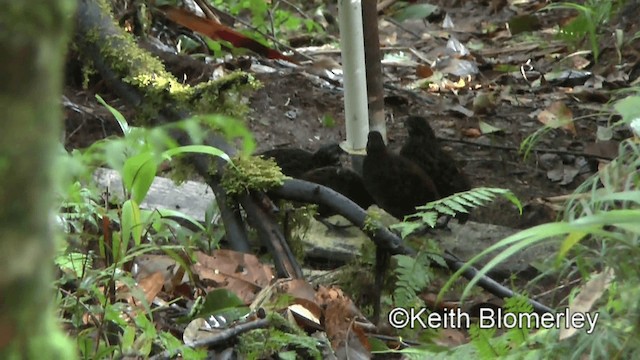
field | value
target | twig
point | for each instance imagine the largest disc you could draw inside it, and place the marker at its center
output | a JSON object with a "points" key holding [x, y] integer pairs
{"points": [[571, 283], [297, 9], [401, 27], [206, 10]]}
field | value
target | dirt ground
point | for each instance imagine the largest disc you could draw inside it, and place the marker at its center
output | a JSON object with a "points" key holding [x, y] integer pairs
{"points": [[291, 109]]}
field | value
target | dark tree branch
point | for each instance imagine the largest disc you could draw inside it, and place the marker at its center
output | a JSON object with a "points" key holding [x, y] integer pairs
{"points": [[303, 191], [264, 222]]}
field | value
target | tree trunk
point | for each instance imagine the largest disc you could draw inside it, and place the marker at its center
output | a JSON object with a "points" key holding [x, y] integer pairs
{"points": [[33, 39]]}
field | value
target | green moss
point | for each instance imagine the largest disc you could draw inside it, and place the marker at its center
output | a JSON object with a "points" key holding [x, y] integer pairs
{"points": [[298, 220], [265, 343], [254, 173], [371, 222], [145, 72]]}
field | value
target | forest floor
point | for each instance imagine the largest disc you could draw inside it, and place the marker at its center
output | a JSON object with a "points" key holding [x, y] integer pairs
{"points": [[482, 105], [296, 109]]}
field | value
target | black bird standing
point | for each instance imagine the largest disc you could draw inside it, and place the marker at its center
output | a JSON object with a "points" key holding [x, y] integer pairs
{"points": [[423, 148], [295, 162], [345, 181], [396, 184]]}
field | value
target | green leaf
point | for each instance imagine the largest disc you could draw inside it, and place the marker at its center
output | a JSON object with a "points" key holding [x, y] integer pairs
{"points": [[168, 213], [124, 125], [521, 240], [74, 262], [406, 228], [117, 250], [137, 175], [232, 129], [131, 222], [628, 107], [127, 338], [487, 128], [569, 242], [223, 302], [199, 149]]}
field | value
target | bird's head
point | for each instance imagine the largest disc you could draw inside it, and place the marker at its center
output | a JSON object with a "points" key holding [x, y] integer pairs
{"points": [[375, 144], [328, 155], [418, 126]]}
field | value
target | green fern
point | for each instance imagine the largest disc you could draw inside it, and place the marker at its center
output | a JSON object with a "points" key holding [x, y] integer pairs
{"points": [[264, 343], [489, 346], [457, 203], [413, 274], [486, 344], [518, 305]]}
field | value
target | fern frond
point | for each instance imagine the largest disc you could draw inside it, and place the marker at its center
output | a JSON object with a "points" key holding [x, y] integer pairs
{"points": [[451, 205], [412, 276]]}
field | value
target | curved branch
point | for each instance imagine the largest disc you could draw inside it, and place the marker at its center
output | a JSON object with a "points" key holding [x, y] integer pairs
{"points": [[304, 191]]}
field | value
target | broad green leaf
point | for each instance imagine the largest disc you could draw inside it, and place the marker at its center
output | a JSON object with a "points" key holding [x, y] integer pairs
{"points": [[137, 175], [74, 262], [131, 222], [224, 303]]}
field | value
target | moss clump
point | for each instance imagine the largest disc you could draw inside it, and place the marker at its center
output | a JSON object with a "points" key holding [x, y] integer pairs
{"points": [[372, 222], [298, 222], [251, 173], [145, 72], [280, 337]]}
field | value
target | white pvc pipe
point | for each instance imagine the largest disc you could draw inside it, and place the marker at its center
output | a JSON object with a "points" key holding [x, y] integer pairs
{"points": [[353, 67]]}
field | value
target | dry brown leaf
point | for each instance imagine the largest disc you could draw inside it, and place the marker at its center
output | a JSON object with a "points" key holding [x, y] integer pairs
{"points": [[151, 285], [241, 273], [472, 132], [298, 288], [589, 294], [324, 295], [339, 323], [424, 71], [558, 115]]}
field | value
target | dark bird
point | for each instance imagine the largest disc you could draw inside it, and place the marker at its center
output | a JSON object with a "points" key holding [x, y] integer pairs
{"points": [[345, 181], [396, 184], [295, 162], [423, 148]]}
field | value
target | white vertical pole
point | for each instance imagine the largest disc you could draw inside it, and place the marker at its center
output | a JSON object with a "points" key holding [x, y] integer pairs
{"points": [[353, 67]]}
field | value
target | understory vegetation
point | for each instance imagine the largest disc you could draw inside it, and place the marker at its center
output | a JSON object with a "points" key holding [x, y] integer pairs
{"points": [[114, 307]]}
